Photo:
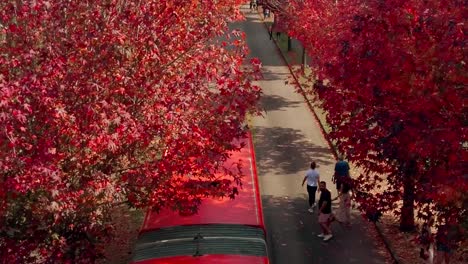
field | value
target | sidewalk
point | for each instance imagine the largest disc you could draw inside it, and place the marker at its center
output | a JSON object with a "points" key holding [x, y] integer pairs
{"points": [[294, 61], [400, 246], [286, 138]]}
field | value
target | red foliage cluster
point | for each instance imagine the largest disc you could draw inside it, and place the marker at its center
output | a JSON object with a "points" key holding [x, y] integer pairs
{"points": [[394, 90], [105, 102]]}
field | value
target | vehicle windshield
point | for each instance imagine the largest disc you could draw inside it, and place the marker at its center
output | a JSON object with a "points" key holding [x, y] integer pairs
{"points": [[199, 240]]}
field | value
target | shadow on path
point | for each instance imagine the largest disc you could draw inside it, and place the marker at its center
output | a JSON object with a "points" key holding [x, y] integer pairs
{"points": [[286, 150], [271, 73], [277, 103], [293, 229]]}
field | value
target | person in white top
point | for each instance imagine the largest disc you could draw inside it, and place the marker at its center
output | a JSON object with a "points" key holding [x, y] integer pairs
{"points": [[313, 178]]}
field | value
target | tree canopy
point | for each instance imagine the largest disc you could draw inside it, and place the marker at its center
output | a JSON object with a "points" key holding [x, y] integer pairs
{"points": [[394, 90], [106, 102]]}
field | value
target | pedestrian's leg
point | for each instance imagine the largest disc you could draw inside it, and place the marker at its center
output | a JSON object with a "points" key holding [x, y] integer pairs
{"points": [[314, 191], [309, 192], [430, 260], [439, 257], [328, 233], [328, 227], [347, 210], [324, 228], [447, 257]]}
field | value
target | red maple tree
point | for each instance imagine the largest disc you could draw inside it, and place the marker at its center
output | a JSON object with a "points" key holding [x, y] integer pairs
{"points": [[109, 102], [394, 87]]}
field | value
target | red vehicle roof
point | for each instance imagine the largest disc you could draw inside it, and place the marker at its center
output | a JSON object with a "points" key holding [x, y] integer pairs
{"points": [[218, 259], [244, 209]]}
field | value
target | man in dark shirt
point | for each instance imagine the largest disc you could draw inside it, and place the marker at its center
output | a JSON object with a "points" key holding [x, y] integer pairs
{"points": [[325, 212], [341, 172]]}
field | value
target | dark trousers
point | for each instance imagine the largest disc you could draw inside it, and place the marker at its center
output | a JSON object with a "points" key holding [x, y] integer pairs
{"points": [[338, 183], [311, 190]]}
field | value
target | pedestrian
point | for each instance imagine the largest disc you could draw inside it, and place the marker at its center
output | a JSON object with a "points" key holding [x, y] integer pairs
{"points": [[266, 12], [341, 170], [253, 5], [344, 209], [312, 177], [426, 241], [442, 245], [325, 217], [448, 237]]}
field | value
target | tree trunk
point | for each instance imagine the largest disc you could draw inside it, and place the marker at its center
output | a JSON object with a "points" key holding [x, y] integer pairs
{"points": [[407, 210], [304, 59]]}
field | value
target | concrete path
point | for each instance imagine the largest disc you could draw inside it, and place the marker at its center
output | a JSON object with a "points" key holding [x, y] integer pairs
{"points": [[286, 139]]}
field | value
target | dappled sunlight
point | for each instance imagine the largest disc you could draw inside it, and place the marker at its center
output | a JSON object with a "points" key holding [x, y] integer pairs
{"points": [[286, 150]]}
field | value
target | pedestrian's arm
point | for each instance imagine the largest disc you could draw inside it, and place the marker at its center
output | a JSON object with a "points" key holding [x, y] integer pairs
{"points": [[303, 181], [340, 191], [318, 183], [336, 198]]}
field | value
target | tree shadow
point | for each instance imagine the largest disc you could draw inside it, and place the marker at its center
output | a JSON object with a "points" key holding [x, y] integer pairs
{"points": [[276, 103], [292, 236], [285, 150], [270, 75]]}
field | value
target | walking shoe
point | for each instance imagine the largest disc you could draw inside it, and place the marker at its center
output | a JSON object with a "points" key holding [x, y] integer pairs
{"points": [[327, 237], [311, 210], [321, 235]]}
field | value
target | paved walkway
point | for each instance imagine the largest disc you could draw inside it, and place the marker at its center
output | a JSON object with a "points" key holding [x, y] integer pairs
{"points": [[286, 139]]}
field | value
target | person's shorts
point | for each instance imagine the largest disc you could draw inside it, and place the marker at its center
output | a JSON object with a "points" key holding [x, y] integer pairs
{"points": [[338, 181], [324, 218], [338, 184]]}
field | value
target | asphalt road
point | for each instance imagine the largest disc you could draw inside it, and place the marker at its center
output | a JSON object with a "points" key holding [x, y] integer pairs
{"points": [[286, 139]]}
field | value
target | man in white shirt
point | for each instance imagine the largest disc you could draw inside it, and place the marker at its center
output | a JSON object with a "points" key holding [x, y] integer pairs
{"points": [[313, 178]]}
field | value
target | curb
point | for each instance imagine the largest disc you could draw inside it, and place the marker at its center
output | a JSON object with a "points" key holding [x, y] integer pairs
{"points": [[388, 245], [395, 258]]}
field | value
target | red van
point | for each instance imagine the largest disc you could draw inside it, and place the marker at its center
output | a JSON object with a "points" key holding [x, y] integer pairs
{"points": [[224, 231]]}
